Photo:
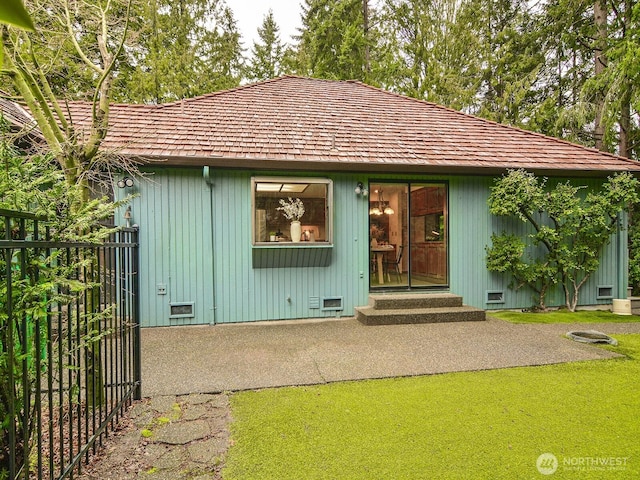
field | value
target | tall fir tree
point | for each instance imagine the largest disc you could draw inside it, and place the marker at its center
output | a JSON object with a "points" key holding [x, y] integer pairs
{"points": [[595, 107], [186, 48], [600, 64], [433, 54], [509, 56], [565, 27], [222, 53], [615, 85], [266, 55], [332, 40]]}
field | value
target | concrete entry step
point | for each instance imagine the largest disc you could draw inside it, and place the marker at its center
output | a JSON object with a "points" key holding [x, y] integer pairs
{"points": [[415, 300], [395, 309]]}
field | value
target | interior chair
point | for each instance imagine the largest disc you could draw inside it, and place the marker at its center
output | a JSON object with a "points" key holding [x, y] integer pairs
{"points": [[394, 264]]}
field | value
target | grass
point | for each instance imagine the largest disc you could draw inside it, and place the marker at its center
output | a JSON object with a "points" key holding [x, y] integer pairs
{"points": [[563, 316], [469, 425]]}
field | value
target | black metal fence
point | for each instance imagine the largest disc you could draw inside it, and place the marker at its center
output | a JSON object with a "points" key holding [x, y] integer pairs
{"points": [[69, 345]]}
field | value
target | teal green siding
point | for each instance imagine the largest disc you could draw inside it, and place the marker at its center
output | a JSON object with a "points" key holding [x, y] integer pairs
{"points": [[195, 237], [173, 212], [245, 293], [210, 263], [471, 226]]}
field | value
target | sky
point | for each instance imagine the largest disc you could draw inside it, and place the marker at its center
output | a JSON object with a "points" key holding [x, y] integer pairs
{"points": [[250, 15]]}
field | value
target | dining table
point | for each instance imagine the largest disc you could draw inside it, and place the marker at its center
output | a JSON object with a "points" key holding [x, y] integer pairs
{"points": [[379, 251]]}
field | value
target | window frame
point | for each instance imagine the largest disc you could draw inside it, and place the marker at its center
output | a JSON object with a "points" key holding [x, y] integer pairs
{"points": [[292, 180]]}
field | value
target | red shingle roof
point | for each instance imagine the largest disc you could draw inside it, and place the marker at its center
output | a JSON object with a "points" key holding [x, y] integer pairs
{"points": [[18, 117], [293, 122]]}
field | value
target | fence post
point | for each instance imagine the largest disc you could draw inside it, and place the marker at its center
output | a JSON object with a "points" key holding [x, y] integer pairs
{"points": [[137, 350], [10, 357]]}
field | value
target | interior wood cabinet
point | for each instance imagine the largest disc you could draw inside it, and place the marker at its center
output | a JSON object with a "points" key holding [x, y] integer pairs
{"points": [[427, 200], [430, 259], [428, 247]]}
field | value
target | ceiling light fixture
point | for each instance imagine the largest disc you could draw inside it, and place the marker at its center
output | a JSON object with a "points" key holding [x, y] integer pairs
{"points": [[382, 207]]}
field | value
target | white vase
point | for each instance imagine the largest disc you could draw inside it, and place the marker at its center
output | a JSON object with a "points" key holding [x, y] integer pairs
{"points": [[296, 231]]}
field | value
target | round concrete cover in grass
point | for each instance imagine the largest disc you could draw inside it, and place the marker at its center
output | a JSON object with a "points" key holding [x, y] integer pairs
{"points": [[592, 336]]}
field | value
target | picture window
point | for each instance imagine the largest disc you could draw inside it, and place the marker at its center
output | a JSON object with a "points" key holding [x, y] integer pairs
{"points": [[270, 197]]}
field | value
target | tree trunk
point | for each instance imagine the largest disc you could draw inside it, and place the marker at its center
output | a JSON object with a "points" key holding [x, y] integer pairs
{"points": [[542, 305], [600, 18], [624, 143], [365, 17], [568, 299]]}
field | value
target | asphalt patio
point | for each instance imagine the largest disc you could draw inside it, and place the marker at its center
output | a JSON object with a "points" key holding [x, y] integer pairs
{"points": [[212, 359]]}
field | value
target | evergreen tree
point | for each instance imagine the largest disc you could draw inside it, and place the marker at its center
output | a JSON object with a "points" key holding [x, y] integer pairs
{"points": [[510, 58], [480, 56], [221, 57], [615, 85], [332, 40], [434, 53], [600, 63], [186, 48], [595, 108], [266, 55], [565, 27]]}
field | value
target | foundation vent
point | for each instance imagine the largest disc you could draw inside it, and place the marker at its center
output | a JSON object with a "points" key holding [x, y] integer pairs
{"points": [[494, 296], [332, 303], [605, 292], [181, 310]]}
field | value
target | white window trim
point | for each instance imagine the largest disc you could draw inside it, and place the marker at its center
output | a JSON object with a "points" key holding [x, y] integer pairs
{"points": [[288, 180]]}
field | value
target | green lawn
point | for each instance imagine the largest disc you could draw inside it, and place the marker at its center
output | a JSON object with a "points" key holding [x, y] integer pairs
{"points": [[563, 316], [481, 425]]}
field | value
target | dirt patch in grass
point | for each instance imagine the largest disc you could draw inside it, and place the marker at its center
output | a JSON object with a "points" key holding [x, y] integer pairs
{"points": [[168, 437]]}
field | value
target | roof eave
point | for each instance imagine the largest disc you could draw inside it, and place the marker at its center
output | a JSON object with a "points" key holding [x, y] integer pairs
{"points": [[241, 163]]}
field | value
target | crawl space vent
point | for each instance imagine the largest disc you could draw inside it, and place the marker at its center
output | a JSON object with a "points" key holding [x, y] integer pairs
{"points": [[495, 296], [181, 310], [605, 292], [332, 303]]}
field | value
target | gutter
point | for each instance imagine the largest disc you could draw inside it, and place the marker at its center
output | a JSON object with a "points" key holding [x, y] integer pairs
{"points": [[436, 167]]}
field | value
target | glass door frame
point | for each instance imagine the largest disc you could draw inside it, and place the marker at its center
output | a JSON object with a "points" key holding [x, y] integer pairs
{"points": [[411, 231]]}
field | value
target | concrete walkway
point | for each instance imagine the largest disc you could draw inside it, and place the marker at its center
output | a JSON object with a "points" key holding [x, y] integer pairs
{"points": [[204, 359], [181, 430]]}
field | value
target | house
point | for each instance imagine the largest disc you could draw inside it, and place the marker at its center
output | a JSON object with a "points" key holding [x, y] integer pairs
{"points": [[20, 125], [394, 192]]}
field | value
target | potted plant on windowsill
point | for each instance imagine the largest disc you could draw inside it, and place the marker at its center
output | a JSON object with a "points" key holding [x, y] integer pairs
{"points": [[293, 210]]}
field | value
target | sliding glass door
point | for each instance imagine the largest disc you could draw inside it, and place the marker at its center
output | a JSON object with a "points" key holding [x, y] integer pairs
{"points": [[408, 235]]}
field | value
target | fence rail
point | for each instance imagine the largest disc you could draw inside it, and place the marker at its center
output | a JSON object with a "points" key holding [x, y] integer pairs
{"points": [[69, 345]]}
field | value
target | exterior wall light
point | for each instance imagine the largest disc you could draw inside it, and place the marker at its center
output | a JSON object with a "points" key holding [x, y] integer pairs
{"points": [[361, 190], [125, 182]]}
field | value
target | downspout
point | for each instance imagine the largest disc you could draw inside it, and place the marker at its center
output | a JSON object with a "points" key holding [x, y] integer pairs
{"points": [[206, 174]]}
